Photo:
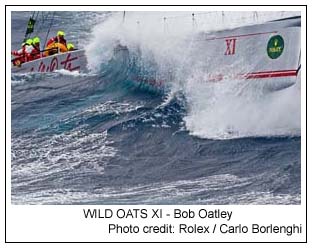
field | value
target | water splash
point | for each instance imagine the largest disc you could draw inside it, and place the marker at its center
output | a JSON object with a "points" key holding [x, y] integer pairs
{"points": [[228, 109], [234, 109]]}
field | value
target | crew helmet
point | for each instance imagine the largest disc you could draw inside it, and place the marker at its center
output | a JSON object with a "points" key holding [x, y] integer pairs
{"points": [[70, 46], [36, 40], [29, 41], [60, 33]]}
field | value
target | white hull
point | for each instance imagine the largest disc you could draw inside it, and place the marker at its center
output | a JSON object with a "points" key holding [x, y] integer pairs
{"points": [[246, 53], [71, 61]]}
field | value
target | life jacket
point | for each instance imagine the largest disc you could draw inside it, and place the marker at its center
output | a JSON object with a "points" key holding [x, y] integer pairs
{"points": [[54, 48], [23, 54], [56, 40], [35, 53]]}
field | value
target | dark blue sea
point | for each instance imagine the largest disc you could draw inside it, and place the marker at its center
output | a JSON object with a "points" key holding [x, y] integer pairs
{"points": [[111, 135]]}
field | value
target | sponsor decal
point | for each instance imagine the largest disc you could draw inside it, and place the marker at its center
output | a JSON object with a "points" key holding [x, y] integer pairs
{"points": [[275, 46]]}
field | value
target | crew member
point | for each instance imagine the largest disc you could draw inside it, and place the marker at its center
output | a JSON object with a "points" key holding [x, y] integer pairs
{"points": [[23, 55], [70, 47], [56, 44], [59, 38], [35, 53]]}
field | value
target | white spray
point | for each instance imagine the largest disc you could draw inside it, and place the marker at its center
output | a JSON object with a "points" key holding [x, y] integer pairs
{"points": [[228, 109]]}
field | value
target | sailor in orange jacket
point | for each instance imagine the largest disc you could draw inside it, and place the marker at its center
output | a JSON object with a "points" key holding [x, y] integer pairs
{"points": [[58, 39]]}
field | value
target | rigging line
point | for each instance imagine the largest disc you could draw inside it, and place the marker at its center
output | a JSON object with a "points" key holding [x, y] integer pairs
{"points": [[45, 41], [37, 15], [46, 19], [36, 18], [41, 23], [166, 28], [194, 23]]}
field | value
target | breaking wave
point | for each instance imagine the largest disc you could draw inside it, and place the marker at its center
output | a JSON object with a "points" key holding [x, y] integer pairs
{"points": [[224, 110], [143, 126]]}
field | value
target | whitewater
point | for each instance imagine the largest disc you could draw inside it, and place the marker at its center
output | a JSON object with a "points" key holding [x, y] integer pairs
{"points": [[169, 137]]}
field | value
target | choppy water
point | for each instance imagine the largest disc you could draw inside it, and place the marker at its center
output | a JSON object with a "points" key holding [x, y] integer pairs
{"points": [[99, 137]]}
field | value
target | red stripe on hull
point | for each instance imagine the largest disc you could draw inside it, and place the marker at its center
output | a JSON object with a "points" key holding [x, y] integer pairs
{"points": [[271, 74]]}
